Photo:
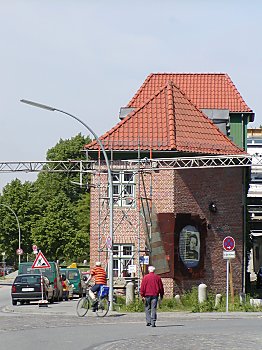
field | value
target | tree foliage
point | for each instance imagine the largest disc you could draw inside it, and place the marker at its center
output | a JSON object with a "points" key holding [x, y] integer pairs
{"points": [[53, 211]]}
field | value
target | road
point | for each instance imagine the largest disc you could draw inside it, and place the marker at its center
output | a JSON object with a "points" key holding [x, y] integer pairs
{"points": [[28, 327]]}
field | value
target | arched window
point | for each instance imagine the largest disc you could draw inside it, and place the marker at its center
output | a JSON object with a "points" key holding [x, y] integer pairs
{"points": [[189, 246]]}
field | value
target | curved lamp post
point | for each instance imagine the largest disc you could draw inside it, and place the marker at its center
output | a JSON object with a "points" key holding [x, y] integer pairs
{"points": [[110, 184], [19, 231]]}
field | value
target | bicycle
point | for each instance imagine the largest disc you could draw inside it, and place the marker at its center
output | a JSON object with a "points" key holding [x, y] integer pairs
{"points": [[86, 302]]}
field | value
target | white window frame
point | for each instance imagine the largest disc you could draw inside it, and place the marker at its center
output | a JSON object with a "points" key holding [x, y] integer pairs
{"points": [[121, 260], [124, 188]]}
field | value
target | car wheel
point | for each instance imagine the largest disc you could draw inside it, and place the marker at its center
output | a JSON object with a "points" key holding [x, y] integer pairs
{"points": [[14, 302], [22, 302], [51, 300], [28, 302]]}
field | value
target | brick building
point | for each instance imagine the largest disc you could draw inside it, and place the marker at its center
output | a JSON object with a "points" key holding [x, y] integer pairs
{"points": [[178, 182]]}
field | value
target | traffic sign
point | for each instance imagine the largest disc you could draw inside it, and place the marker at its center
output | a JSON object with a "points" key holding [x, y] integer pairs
{"points": [[131, 268], [229, 255], [19, 251], [229, 243], [40, 262], [34, 247], [144, 260]]}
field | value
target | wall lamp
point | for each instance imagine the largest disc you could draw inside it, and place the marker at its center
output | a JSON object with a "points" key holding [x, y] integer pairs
{"points": [[212, 207]]}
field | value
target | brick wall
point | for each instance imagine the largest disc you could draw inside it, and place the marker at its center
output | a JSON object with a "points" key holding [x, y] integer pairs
{"points": [[187, 191]]}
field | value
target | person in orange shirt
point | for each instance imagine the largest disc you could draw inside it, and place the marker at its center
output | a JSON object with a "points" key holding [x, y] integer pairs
{"points": [[100, 279]]}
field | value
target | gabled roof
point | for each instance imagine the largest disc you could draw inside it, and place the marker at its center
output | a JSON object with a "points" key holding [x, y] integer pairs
{"points": [[205, 90], [167, 121]]}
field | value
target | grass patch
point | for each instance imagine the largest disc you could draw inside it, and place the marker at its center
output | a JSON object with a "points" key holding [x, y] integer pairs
{"points": [[189, 302]]}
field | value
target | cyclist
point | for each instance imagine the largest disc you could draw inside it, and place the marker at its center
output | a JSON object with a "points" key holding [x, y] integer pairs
{"points": [[100, 279]]}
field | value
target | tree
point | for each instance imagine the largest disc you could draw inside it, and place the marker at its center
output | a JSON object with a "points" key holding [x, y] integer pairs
{"points": [[53, 212], [16, 196], [62, 207]]}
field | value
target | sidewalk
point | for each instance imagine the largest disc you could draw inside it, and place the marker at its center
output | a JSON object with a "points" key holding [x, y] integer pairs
{"points": [[69, 309], [9, 279]]}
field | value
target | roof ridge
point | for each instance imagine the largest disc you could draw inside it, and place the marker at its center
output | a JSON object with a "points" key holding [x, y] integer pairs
{"points": [[236, 90], [171, 113], [188, 73], [203, 114], [141, 87], [129, 116]]}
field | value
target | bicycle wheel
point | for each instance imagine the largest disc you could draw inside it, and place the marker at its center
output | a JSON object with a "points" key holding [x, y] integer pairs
{"points": [[103, 307], [82, 307]]}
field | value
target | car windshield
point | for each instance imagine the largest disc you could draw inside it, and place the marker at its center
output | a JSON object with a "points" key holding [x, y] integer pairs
{"points": [[73, 275], [29, 279], [28, 269]]}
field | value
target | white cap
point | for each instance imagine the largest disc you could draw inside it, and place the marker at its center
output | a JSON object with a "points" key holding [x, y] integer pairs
{"points": [[151, 268], [98, 263]]}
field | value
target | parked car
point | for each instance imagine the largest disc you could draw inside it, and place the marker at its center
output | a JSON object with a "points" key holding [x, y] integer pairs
{"points": [[74, 276], [53, 274], [5, 271], [26, 288]]}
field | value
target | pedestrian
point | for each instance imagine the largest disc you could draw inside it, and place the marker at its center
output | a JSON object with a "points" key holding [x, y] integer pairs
{"points": [[151, 288], [100, 279]]}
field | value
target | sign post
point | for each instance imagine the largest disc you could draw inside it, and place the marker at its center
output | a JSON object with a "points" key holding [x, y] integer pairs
{"points": [[41, 263], [228, 253]]}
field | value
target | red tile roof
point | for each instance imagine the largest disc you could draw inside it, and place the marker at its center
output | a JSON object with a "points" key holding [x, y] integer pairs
{"points": [[167, 121], [205, 90]]}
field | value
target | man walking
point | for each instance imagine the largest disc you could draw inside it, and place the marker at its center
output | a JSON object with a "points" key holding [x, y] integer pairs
{"points": [[151, 289]]}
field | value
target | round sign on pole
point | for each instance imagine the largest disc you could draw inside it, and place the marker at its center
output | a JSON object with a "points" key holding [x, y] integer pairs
{"points": [[229, 243], [19, 251], [34, 247]]}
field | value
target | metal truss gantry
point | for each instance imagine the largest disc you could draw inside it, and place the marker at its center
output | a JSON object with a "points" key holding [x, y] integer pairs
{"points": [[69, 166], [89, 166], [137, 166]]}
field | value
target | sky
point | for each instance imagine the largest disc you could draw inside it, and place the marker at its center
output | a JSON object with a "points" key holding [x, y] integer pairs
{"points": [[89, 57]]}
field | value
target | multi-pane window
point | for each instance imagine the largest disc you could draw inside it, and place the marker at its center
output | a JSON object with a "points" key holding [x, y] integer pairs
{"points": [[122, 257], [124, 189]]}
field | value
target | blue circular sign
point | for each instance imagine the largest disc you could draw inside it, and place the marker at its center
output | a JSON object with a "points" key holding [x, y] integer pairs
{"points": [[229, 243]]}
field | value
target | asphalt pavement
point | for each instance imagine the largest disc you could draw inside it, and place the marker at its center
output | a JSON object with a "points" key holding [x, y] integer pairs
{"points": [[57, 326]]}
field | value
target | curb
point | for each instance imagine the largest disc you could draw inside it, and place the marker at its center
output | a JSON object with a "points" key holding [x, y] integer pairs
{"points": [[36, 310]]}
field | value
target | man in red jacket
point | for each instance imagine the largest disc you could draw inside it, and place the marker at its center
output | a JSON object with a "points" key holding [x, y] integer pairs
{"points": [[151, 289]]}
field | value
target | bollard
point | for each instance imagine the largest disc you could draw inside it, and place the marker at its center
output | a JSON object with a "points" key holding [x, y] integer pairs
{"points": [[130, 293], [202, 293], [242, 298], [177, 299], [218, 300]]}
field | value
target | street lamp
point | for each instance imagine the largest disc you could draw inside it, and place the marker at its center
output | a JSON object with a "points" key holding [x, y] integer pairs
{"points": [[110, 184], [19, 231]]}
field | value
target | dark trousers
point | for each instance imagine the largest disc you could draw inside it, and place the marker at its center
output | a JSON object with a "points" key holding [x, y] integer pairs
{"points": [[150, 308]]}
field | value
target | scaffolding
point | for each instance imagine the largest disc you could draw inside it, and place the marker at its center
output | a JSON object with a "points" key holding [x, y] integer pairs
{"points": [[141, 200], [141, 197]]}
